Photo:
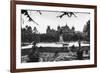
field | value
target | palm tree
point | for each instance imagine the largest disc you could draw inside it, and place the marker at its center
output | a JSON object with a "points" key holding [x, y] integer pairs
{"points": [[25, 12], [69, 14]]}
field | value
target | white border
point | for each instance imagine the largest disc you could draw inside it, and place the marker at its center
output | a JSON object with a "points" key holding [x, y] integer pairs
{"points": [[20, 65]]}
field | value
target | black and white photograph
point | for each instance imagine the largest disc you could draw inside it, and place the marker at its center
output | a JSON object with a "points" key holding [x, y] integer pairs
{"points": [[48, 36]]}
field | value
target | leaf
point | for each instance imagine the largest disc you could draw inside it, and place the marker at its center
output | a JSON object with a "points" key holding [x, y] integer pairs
{"points": [[69, 14]]}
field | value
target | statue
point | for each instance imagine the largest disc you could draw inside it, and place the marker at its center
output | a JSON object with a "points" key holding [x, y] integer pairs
{"points": [[61, 36]]}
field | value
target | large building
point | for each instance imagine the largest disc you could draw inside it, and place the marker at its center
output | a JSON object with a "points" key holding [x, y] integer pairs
{"points": [[64, 30]]}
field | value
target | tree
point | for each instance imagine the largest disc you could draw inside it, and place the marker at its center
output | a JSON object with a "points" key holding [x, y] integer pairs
{"points": [[58, 28], [69, 14], [35, 30], [23, 34], [26, 34], [86, 30], [48, 29], [73, 28], [25, 12], [29, 29]]}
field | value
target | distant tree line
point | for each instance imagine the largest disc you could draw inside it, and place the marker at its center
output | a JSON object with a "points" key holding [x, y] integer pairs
{"points": [[28, 35]]}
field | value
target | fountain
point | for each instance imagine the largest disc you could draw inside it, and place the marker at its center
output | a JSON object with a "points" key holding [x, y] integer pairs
{"points": [[61, 38]]}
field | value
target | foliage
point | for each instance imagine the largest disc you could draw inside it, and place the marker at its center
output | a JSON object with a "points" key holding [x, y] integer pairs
{"points": [[69, 14], [26, 34], [86, 31]]}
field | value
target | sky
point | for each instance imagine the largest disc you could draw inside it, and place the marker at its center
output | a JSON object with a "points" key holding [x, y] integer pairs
{"points": [[49, 18]]}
